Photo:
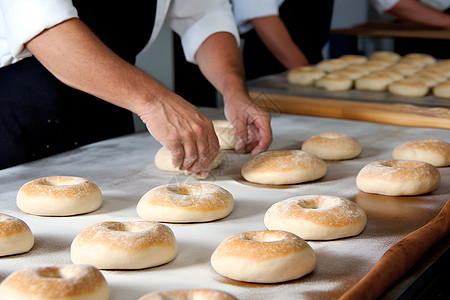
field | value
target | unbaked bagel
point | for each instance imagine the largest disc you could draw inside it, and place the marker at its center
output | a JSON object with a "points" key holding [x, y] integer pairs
{"points": [[124, 245], [335, 82], [332, 146], [316, 217], [80, 282], [185, 203], [15, 236], [283, 167], [305, 75], [195, 294], [432, 151], [59, 196], [398, 178], [263, 256]]}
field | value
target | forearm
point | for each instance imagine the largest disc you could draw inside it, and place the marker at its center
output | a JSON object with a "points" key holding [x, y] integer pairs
{"points": [[79, 59], [220, 61], [416, 12], [275, 36]]}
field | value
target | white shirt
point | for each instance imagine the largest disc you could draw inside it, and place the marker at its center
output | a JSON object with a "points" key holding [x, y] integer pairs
{"points": [[384, 5], [193, 20], [246, 10]]}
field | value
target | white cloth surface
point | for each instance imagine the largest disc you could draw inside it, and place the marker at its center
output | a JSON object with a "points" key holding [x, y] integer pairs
{"points": [[123, 168], [194, 21]]}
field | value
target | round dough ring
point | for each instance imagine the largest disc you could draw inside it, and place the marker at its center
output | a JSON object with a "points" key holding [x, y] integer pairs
{"points": [[124, 245], [266, 256], [398, 178], [59, 196], [15, 236], [316, 217], [185, 203], [81, 282], [332, 146], [283, 167], [184, 294], [432, 151]]}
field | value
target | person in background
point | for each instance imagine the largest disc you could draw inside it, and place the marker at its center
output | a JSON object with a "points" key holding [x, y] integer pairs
{"points": [[67, 78], [281, 35], [430, 13]]}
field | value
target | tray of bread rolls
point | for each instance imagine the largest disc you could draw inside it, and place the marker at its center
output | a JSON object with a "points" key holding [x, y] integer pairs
{"points": [[384, 76]]}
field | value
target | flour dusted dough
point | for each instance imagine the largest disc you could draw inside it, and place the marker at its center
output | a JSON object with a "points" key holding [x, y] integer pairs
{"points": [[283, 167], [185, 294], [225, 134], [80, 282], [266, 256], [15, 236], [398, 178], [185, 203], [432, 151], [316, 217], [124, 245], [332, 146], [59, 196]]}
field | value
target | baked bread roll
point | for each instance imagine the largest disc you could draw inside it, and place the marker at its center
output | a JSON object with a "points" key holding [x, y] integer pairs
{"points": [[408, 88], [377, 83]]}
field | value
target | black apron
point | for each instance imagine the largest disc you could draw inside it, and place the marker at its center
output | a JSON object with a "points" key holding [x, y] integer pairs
{"points": [[40, 116], [308, 23]]}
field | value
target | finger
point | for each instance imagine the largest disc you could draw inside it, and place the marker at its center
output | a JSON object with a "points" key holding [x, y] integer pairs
{"points": [[207, 147], [176, 153], [190, 150], [241, 134], [264, 133]]}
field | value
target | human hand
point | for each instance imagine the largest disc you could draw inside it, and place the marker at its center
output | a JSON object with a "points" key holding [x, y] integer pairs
{"points": [[184, 131], [252, 125]]}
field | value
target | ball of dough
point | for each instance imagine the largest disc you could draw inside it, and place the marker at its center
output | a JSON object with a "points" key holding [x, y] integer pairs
{"points": [[408, 88], [304, 75], [389, 55], [163, 161], [124, 245], [59, 196], [316, 217], [225, 134], [353, 59], [405, 69], [371, 82], [398, 178], [263, 257], [432, 151], [194, 294], [334, 82], [15, 236], [332, 146], [420, 59], [80, 282], [185, 203], [283, 167], [330, 65], [442, 90]]}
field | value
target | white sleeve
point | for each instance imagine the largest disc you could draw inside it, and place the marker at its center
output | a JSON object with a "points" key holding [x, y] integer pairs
{"points": [[383, 5], [21, 20], [246, 10], [196, 20]]}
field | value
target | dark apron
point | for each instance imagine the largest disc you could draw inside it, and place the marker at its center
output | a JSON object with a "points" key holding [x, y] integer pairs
{"points": [[308, 23], [40, 116]]}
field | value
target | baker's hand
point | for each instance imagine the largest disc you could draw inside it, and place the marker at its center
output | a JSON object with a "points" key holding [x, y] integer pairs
{"points": [[184, 131], [252, 125]]}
